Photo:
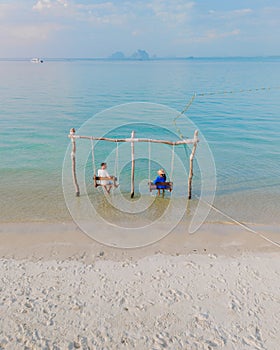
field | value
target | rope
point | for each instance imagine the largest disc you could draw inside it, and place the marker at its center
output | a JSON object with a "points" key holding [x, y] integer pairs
{"points": [[149, 161], [172, 162], [203, 94], [93, 158], [182, 113], [117, 161], [240, 223], [237, 91], [181, 136]]}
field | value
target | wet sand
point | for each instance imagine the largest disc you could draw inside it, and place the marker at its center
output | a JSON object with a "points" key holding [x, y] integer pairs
{"points": [[65, 240]]}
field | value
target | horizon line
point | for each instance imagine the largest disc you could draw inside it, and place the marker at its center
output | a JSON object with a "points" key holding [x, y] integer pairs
{"points": [[154, 58]]}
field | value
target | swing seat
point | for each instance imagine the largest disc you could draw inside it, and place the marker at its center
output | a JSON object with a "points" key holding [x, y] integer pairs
{"points": [[112, 180], [167, 186]]}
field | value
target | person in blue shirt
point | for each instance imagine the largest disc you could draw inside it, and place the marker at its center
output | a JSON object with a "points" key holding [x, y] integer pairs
{"points": [[160, 178]]}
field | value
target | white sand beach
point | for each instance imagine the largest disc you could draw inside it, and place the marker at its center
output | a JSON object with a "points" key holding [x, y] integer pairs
{"points": [[216, 289]]}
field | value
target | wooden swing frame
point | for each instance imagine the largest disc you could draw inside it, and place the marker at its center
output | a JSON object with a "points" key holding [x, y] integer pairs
{"points": [[72, 135]]}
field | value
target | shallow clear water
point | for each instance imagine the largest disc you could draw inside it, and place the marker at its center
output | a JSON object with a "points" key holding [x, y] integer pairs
{"points": [[40, 103]]}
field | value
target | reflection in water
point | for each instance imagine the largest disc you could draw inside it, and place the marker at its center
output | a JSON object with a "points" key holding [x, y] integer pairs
{"points": [[150, 210]]}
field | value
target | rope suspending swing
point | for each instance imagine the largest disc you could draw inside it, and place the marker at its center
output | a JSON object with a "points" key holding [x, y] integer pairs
{"points": [[103, 180], [165, 185]]}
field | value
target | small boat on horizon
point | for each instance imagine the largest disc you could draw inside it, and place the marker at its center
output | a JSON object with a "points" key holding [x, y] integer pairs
{"points": [[36, 60]]}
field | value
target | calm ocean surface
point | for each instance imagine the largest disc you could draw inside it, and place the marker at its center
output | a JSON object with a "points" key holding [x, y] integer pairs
{"points": [[39, 103]]}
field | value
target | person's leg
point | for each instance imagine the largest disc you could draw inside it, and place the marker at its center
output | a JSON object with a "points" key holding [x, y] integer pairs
{"points": [[106, 189]]}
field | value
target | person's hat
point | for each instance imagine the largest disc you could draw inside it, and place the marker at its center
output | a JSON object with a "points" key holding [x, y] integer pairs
{"points": [[161, 172]]}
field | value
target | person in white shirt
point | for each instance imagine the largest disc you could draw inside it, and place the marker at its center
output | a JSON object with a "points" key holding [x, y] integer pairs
{"points": [[106, 184]]}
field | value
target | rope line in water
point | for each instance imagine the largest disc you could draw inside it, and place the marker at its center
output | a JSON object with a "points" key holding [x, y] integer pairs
{"points": [[182, 137], [240, 223], [203, 94], [182, 113], [237, 91]]}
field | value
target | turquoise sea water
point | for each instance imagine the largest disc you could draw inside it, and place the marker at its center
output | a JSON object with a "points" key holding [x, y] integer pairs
{"points": [[39, 103]]}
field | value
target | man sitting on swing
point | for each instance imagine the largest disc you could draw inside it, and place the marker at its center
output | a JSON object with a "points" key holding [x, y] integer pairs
{"points": [[106, 184], [159, 182]]}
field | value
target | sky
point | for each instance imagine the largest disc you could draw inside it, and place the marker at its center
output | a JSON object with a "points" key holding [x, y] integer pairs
{"points": [[165, 28]]}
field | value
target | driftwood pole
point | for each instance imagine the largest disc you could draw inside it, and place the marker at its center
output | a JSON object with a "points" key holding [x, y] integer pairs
{"points": [[73, 157], [166, 142], [132, 165], [195, 140]]}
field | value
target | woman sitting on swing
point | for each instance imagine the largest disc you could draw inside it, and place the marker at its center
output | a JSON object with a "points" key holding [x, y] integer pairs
{"points": [[160, 182]]}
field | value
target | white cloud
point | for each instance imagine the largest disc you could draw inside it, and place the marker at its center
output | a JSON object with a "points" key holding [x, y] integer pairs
{"points": [[27, 32], [136, 33], [49, 4], [104, 6], [119, 13], [214, 35], [209, 36], [170, 12], [42, 4], [97, 14], [230, 15], [242, 12], [6, 10], [76, 9], [161, 26]]}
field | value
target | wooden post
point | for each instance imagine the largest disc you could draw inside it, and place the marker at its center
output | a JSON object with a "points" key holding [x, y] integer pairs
{"points": [[132, 165], [191, 164], [73, 157]]}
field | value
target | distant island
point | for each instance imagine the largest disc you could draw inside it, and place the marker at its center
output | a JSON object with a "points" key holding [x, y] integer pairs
{"points": [[141, 55]]}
